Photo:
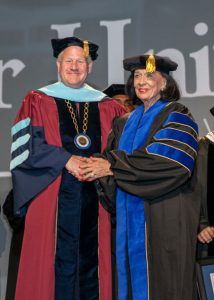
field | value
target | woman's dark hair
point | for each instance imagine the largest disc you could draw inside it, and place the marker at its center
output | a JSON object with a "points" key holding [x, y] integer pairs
{"points": [[170, 93]]}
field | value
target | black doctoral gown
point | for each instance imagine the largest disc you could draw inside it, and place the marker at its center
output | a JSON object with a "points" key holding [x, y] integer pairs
{"points": [[171, 203], [206, 180]]}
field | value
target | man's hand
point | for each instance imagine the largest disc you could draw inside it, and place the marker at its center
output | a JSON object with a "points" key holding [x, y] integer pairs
{"points": [[206, 235], [73, 165]]}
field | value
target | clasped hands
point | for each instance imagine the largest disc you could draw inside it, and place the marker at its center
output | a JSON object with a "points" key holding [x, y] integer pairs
{"points": [[88, 169]]}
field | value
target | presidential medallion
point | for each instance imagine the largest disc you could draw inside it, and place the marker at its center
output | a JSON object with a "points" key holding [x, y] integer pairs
{"points": [[82, 141]]}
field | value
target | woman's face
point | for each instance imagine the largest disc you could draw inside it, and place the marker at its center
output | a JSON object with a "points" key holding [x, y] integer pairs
{"points": [[148, 85]]}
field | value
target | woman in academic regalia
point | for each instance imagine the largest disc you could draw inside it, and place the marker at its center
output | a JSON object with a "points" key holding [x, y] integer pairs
{"points": [[147, 172], [206, 176]]}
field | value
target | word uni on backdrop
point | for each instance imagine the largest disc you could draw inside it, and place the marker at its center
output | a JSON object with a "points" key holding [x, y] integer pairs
{"points": [[115, 35]]}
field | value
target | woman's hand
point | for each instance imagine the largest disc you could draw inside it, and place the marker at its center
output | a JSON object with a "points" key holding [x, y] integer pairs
{"points": [[93, 168], [206, 235]]}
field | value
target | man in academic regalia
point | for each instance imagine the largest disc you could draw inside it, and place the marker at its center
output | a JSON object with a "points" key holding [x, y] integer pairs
{"points": [[117, 91], [59, 253], [206, 175]]}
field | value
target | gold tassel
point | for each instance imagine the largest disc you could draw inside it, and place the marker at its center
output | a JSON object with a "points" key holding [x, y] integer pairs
{"points": [[150, 64], [86, 49]]}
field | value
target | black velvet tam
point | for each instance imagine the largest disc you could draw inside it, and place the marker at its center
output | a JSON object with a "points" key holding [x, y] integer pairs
{"points": [[115, 89], [59, 45], [163, 64]]}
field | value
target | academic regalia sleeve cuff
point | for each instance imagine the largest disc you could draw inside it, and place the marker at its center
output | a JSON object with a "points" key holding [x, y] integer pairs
{"points": [[106, 188], [28, 183]]}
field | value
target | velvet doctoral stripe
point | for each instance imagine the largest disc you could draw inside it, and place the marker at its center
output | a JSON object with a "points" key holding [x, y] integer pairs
{"points": [[131, 240], [77, 214]]}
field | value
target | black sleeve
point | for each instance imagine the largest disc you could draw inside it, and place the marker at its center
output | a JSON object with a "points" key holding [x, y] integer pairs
{"points": [[146, 175], [106, 186], [202, 168], [15, 222], [34, 163]]}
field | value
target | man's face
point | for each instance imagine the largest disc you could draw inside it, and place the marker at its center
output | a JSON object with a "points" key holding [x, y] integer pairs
{"points": [[73, 67], [125, 101]]}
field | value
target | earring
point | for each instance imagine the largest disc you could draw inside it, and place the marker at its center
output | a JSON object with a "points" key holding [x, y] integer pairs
{"points": [[163, 88]]}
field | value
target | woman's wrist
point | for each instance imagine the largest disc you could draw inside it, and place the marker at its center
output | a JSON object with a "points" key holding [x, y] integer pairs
{"points": [[110, 173]]}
